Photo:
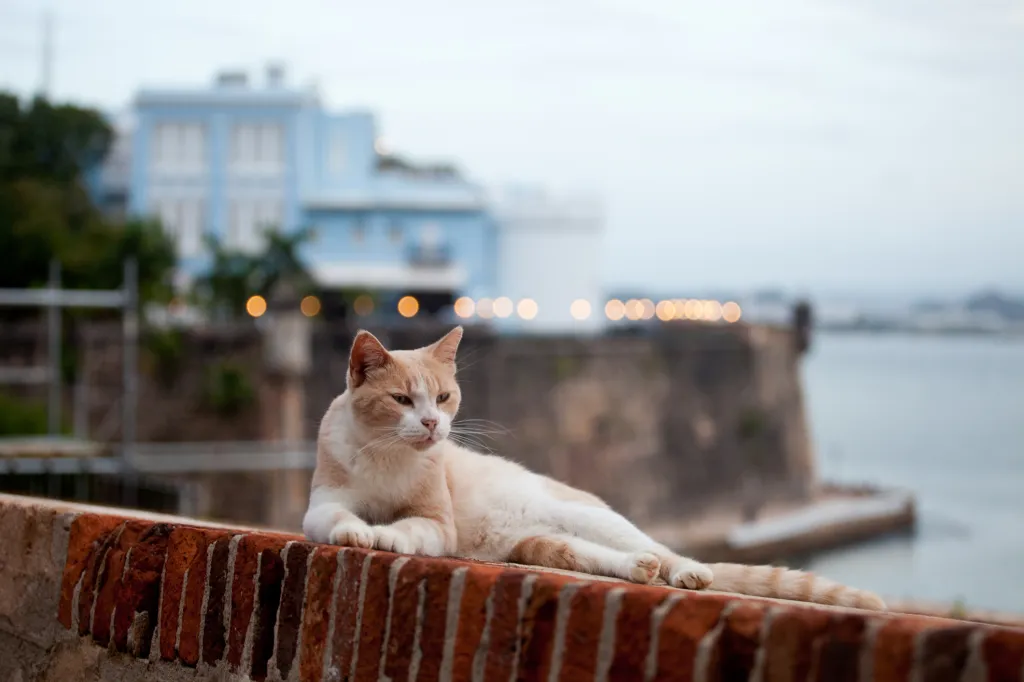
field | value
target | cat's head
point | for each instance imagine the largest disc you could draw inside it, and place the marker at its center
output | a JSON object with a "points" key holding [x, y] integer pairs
{"points": [[404, 397]]}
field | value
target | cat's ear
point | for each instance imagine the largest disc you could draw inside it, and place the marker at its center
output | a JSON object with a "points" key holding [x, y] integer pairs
{"points": [[367, 355], [444, 349]]}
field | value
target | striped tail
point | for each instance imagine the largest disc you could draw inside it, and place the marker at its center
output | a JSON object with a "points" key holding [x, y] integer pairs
{"points": [[782, 583]]}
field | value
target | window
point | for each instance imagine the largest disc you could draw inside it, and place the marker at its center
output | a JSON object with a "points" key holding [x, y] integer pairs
{"points": [[178, 147], [248, 219], [395, 233], [358, 231], [182, 218], [336, 152], [257, 147]]}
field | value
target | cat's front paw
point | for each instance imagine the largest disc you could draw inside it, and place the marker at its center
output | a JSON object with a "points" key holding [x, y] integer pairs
{"points": [[391, 540], [349, 534], [690, 574]]}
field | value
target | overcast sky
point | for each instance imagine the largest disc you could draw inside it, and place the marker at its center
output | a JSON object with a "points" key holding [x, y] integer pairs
{"points": [[820, 145]]}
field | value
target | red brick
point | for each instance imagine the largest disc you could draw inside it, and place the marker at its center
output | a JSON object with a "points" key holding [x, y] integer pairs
{"points": [[243, 590], [1003, 653], [289, 615], [316, 619], [375, 611], [894, 648], [214, 638], [684, 626], [505, 588], [633, 630], [944, 653], [839, 652], [583, 632], [789, 645], [733, 653], [195, 590], [538, 626], [476, 589], [186, 546], [435, 619], [87, 534], [90, 578], [346, 608], [139, 592], [265, 611], [109, 579], [416, 575]]}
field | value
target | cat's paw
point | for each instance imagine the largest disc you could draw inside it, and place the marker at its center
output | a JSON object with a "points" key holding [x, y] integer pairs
{"points": [[349, 534], [390, 540], [643, 567], [690, 574]]}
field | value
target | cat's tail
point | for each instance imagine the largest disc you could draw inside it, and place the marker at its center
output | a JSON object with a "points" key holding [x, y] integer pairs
{"points": [[783, 583]]}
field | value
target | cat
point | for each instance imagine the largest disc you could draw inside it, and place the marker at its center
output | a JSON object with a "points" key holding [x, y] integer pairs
{"points": [[390, 476]]}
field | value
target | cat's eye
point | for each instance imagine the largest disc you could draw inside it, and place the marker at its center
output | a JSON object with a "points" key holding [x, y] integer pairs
{"points": [[402, 399], [443, 397]]}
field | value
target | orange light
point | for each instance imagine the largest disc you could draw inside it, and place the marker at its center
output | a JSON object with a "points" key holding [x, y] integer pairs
{"points": [[680, 305], [614, 310], [256, 306], [527, 309], [580, 309], [731, 312], [665, 310], [485, 308], [363, 305], [310, 306], [503, 306], [408, 306], [712, 311], [464, 307]]}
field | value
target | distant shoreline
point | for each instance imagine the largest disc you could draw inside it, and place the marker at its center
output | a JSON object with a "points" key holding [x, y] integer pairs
{"points": [[882, 329]]}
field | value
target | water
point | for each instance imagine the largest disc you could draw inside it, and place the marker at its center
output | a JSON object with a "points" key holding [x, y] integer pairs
{"points": [[943, 417]]}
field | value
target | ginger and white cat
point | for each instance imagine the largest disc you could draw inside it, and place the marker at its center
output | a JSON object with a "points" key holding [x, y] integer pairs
{"points": [[388, 477]]}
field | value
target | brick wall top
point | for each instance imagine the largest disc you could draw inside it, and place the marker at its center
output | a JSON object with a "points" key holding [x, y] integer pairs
{"points": [[270, 606]]}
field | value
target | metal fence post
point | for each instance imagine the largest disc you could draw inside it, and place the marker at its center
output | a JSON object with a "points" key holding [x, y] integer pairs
{"points": [[53, 318]]}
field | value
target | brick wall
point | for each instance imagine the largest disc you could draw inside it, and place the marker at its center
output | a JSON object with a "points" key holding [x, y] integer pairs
{"points": [[160, 598]]}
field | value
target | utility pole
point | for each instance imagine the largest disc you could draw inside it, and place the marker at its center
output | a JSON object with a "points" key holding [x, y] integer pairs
{"points": [[47, 56]]}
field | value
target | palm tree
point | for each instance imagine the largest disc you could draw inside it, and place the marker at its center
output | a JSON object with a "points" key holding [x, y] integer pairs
{"points": [[234, 275]]}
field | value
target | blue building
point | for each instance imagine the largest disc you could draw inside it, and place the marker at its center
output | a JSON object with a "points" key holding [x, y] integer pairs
{"points": [[237, 157]]}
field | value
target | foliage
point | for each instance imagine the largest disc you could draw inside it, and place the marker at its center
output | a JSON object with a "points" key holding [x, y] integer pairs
{"points": [[167, 350], [46, 150], [227, 389], [20, 417]]}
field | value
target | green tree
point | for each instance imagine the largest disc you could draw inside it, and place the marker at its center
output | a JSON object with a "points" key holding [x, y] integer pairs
{"points": [[234, 275], [46, 212]]}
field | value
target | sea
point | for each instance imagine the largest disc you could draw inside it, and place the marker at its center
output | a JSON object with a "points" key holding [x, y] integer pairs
{"points": [[943, 417]]}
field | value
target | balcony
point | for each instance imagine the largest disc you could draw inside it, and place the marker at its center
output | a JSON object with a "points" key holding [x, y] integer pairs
{"points": [[423, 256]]}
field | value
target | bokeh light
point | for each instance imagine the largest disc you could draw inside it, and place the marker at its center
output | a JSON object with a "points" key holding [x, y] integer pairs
{"points": [[646, 309], [408, 306], [527, 309], [580, 309], [256, 305], [614, 310], [465, 307], [731, 312], [712, 311], [665, 310], [363, 305], [503, 306], [485, 308], [310, 306]]}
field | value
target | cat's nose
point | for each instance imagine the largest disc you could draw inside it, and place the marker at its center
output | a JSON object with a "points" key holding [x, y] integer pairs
{"points": [[431, 424]]}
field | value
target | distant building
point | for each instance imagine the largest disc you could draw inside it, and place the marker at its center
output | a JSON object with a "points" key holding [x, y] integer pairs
{"points": [[237, 157], [549, 250]]}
